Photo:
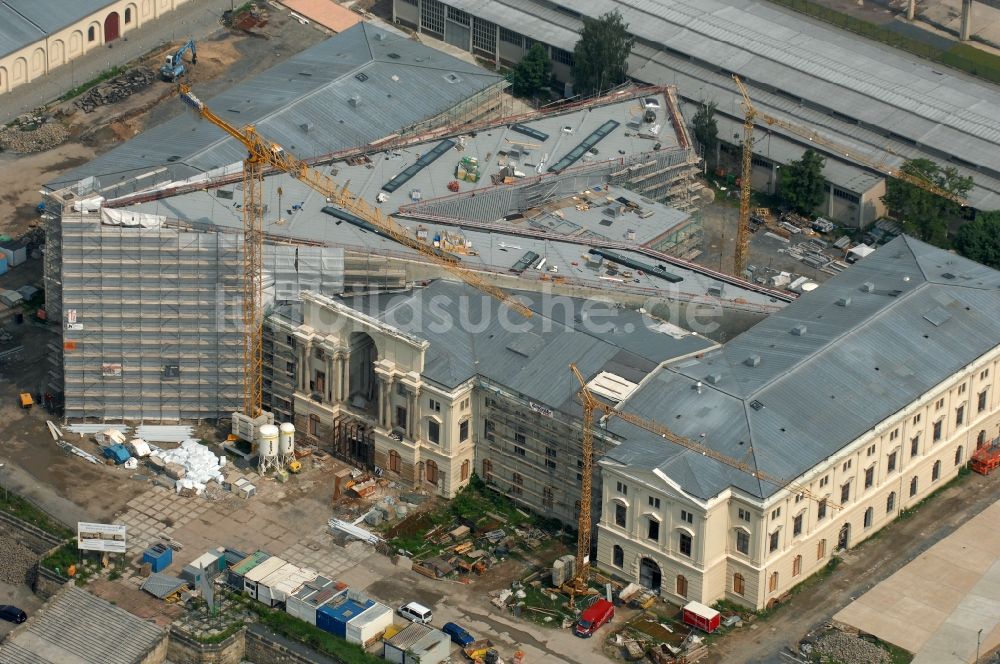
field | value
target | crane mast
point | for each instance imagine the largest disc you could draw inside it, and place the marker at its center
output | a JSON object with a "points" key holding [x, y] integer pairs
{"points": [[742, 249]]}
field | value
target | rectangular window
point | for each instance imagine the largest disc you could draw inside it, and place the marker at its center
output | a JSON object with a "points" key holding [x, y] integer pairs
{"points": [[400, 389], [744, 515], [463, 430], [940, 404], [871, 450], [653, 530], [435, 406], [916, 419], [546, 497], [518, 450], [821, 510], [622, 488], [519, 438], [869, 477], [891, 463], [797, 526], [621, 512], [823, 482], [743, 542], [484, 37], [915, 446], [938, 428], [981, 404], [936, 471], [847, 465], [550, 464], [894, 435], [559, 55], [821, 549], [488, 428], [654, 502], [913, 487], [960, 415], [550, 452], [401, 417], [433, 432], [687, 517], [845, 492], [773, 545], [685, 544], [775, 513], [961, 388], [511, 37], [458, 16], [984, 374]]}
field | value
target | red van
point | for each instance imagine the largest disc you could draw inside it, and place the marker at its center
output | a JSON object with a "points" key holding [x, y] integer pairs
{"points": [[597, 614]]}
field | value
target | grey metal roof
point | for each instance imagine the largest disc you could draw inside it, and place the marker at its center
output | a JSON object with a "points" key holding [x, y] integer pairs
{"points": [[23, 22], [908, 105], [161, 585], [472, 334], [76, 627], [315, 103], [858, 356]]}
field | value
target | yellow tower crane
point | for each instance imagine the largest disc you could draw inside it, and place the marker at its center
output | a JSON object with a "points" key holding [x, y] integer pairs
{"points": [[262, 154], [592, 404], [750, 115]]}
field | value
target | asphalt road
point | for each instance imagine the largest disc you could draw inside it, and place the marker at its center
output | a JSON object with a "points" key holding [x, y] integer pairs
{"points": [[197, 19]]}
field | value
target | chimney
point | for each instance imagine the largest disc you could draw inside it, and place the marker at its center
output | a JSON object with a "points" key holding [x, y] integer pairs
{"points": [[752, 361]]}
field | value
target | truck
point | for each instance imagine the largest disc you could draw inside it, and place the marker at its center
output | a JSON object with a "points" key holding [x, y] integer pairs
{"points": [[598, 613], [173, 67]]}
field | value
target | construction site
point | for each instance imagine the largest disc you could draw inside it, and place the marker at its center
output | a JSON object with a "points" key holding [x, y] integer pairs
{"points": [[359, 337]]}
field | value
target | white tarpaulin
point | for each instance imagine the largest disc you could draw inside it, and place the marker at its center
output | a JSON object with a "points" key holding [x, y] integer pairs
{"points": [[200, 465], [88, 204], [112, 217]]}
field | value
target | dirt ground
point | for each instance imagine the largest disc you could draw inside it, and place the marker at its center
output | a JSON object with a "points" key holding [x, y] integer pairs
{"points": [[224, 59]]}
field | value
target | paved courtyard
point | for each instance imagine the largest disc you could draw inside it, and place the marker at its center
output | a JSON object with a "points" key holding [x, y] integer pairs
{"points": [[936, 604]]}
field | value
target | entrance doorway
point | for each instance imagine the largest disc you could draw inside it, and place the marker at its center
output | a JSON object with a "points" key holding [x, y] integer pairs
{"points": [[111, 27], [844, 539], [649, 575]]}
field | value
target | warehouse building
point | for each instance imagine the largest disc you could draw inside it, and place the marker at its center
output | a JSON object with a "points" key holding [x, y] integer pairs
{"points": [[882, 106], [36, 36], [870, 392]]}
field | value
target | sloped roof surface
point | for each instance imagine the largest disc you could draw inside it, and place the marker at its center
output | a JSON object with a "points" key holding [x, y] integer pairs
{"points": [[76, 627], [23, 22], [305, 104], [865, 345], [162, 585]]}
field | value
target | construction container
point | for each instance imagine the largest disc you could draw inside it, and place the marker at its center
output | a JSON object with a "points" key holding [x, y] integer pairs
{"points": [[333, 618], [698, 615], [16, 252], [252, 579], [313, 594], [159, 557], [193, 575], [276, 587], [368, 627], [11, 298], [418, 644], [239, 570], [3, 265], [212, 562]]}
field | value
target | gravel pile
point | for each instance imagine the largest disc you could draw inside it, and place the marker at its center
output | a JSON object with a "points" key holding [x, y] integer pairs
{"points": [[116, 89], [17, 562], [32, 134], [846, 649]]}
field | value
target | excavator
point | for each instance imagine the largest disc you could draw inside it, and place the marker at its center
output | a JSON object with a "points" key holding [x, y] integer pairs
{"points": [[173, 67]]}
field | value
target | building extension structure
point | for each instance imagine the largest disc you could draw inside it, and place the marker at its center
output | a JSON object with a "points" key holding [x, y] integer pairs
{"points": [[875, 102], [36, 36], [869, 392]]}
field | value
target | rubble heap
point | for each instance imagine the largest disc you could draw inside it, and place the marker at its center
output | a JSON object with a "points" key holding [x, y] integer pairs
{"points": [[837, 646], [116, 89], [32, 133]]}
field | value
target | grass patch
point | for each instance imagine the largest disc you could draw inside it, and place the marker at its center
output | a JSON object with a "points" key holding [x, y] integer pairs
{"points": [[311, 636], [217, 638], [963, 57], [963, 472], [17, 506], [536, 598], [100, 78]]}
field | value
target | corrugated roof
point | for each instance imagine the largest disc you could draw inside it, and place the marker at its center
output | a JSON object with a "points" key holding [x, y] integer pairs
{"points": [[24, 22], [162, 585], [862, 350], [76, 627], [409, 636], [354, 88]]}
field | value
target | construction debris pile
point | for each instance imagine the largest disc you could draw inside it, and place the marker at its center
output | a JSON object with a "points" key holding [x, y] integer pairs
{"points": [[17, 561], [32, 133], [837, 646], [116, 89]]}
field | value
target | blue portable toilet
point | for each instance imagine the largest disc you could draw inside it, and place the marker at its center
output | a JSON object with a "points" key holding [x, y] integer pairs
{"points": [[159, 556]]}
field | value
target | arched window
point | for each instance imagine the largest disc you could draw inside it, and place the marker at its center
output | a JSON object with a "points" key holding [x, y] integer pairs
{"points": [[313, 421], [395, 461], [913, 486], [465, 470], [796, 565], [431, 469], [958, 455], [91, 34], [821, 549], [890, 503], [128, 15], [936, 471], [682, 585], [981, 439], [869, 517], [739, 585], [618, 556], [772, 583]]}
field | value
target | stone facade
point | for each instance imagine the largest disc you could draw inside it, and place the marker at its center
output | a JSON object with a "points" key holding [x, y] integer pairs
{"points": [[752, 552], [185, 650], [116, 19]]}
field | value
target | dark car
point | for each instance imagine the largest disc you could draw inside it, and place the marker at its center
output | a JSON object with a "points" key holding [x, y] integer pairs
{"points": [[458, 634], [14, 614]]}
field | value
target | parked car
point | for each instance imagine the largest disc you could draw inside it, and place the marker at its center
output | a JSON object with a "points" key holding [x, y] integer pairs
{"points": [[417, 613], [12, 614], [596, 615], [458, 634]]}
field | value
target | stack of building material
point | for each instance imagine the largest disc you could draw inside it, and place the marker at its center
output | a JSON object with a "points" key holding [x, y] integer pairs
{"points": [[199, 463]]}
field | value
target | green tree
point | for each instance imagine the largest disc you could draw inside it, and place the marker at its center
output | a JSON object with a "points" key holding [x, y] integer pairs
{"points": [[979, 240], [531, 74], [600, 58], [706, 131], [923, 213], [802, 183]]}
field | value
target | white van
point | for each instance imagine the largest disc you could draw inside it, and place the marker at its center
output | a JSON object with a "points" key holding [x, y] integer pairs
{"points": [[417, 613]]}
